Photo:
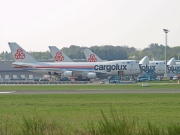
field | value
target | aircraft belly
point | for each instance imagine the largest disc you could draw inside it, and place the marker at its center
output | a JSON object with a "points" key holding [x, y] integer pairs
{"points": [[43, 71], [38, 71], [159, 72]]}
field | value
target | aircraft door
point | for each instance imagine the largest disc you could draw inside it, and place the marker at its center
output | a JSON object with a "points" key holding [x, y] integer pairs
{"points": [[120, 72], [131, 64]]}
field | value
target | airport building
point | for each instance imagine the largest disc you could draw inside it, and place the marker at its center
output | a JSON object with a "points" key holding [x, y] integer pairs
{"points": [[7, 72]]}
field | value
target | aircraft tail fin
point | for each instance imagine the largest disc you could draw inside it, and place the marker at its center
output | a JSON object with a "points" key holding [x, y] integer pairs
{"points": [[144, 61], [91, 57], [58, 55], [19, 54], [172, 61]]}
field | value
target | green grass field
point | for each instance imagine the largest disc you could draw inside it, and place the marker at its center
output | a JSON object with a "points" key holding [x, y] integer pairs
{"points": [[158, 107], [76, 110]]}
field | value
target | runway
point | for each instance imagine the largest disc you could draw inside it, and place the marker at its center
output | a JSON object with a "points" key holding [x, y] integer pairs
{"points": [[89, 91]]}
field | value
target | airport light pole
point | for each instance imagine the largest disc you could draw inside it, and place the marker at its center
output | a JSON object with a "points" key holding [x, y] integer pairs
{"points": [[166, 31]]}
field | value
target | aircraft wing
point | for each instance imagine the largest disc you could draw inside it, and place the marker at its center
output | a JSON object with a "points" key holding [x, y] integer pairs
{"points": [[76, 71]]}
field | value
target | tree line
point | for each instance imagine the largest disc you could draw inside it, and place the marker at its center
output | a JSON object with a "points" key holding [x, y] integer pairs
{"points": [[109, 52]]}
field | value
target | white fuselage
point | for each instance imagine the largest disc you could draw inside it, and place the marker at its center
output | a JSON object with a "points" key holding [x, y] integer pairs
{"points": [[158, 67], [174, 69], [119, 67]]}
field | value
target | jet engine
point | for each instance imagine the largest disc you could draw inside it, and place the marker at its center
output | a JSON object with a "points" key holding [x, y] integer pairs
{"points": [[52, 73], [68, 73], [91, 75]]}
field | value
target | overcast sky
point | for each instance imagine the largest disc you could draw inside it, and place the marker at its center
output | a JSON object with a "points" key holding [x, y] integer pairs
{"points": [[37, 24]]}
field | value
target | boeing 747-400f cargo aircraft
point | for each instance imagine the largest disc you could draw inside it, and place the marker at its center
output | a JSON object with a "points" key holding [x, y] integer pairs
{"points": [[92, 70], [173, 66], [158, 66], [146, 66]]}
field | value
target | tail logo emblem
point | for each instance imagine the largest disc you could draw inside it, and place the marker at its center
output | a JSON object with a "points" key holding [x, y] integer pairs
{"points": [[58, 57], [19, 54], [92, 58]]}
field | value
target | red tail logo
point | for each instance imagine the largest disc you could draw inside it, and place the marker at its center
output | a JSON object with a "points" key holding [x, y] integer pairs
{"points": [[92, 58], [58, 57], [19, 54]]}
